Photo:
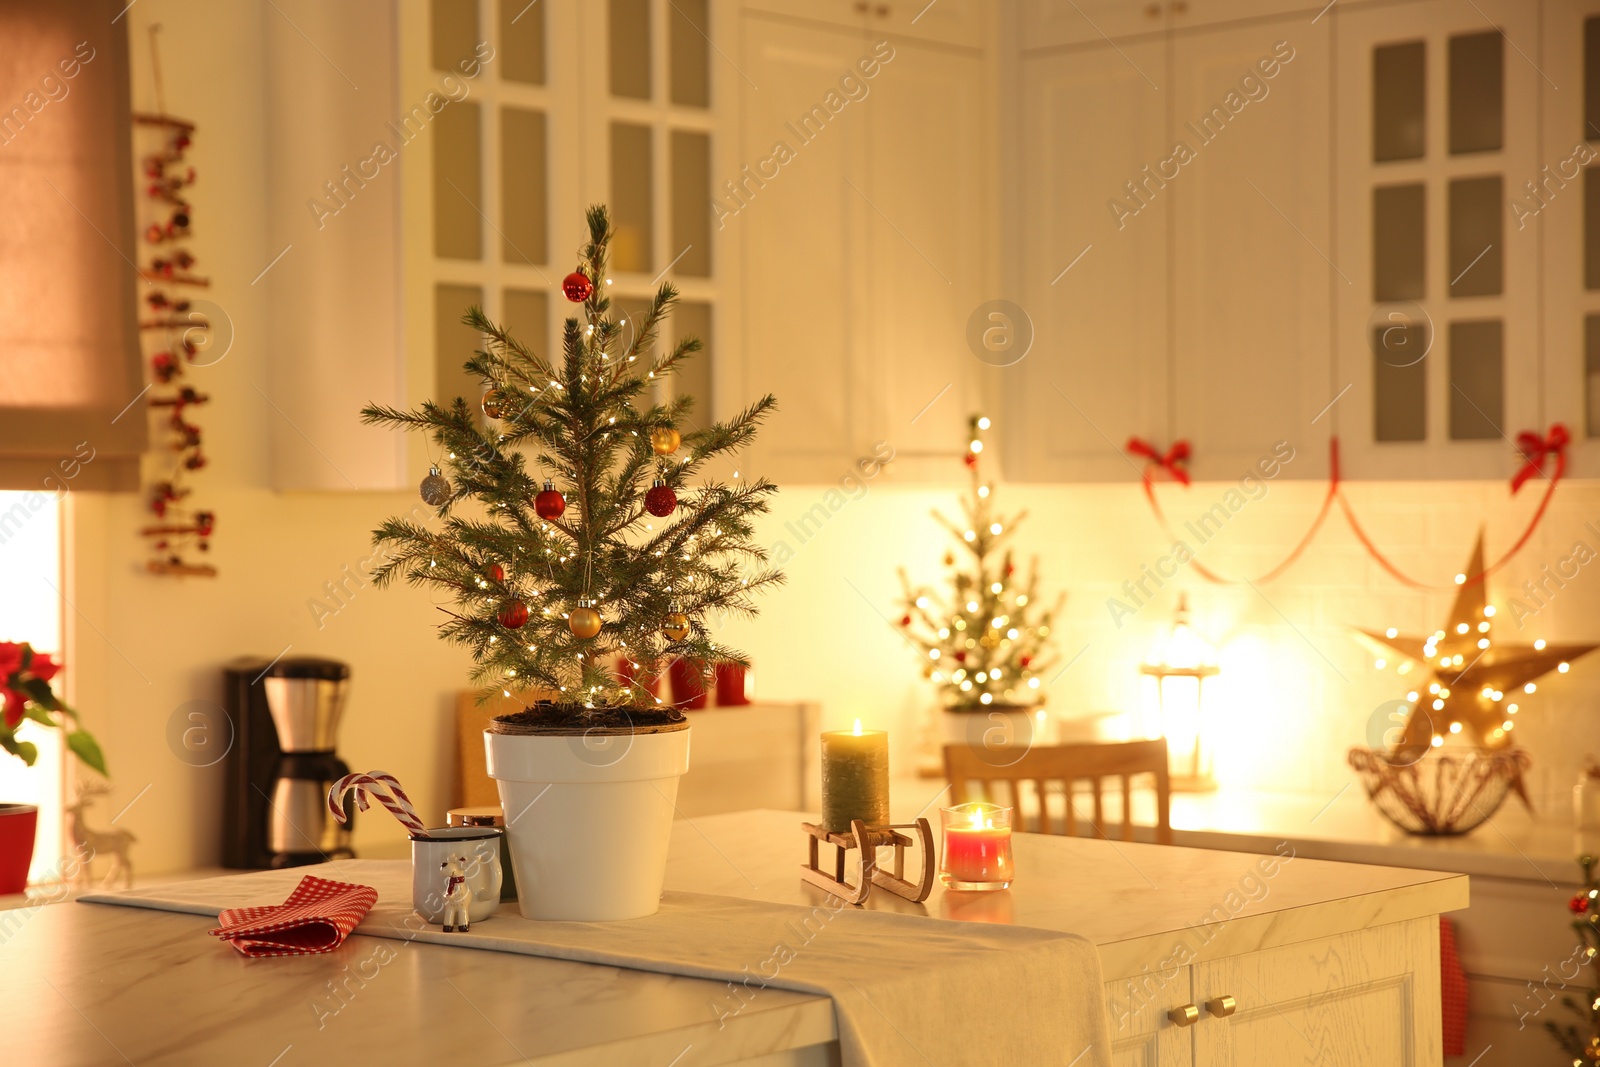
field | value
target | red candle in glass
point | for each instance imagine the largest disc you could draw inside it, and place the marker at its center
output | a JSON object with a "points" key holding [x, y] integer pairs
{"points": [[977, 847]]}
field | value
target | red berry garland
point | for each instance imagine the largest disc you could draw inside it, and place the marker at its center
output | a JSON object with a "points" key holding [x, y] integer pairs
{"points": [[1579, 904], [513, 614], [577, 287], [660, 500], [550, 503]]}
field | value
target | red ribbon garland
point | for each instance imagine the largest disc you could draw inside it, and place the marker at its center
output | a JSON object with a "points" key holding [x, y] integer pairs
{"points": [[1172, 461], [1534, 449]]}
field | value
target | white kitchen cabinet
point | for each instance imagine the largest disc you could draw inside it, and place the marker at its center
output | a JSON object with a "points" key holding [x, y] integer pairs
{"points": [[1428, 254], [959, 22], [864, 250], [1052, 23], [1251, 332], [1366, 997], [1174, 254], [1093, 285], [1555, 210]]}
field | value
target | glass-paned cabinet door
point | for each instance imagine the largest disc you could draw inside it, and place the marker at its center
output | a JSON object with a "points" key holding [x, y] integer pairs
{"points": [[661, 85], [1438, 327], [478, 71], [1561, 200]]}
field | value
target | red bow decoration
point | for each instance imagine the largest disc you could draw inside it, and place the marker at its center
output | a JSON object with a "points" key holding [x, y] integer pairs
{"points": [[1172, 461], [1535, 449]]}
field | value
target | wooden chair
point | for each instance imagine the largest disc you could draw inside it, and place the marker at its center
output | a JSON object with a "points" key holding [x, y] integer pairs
{"points": [[1063, 765]]}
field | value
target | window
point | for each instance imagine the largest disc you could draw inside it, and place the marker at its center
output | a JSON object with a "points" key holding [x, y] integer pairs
{"points": [[70, 369], [30, 610]]}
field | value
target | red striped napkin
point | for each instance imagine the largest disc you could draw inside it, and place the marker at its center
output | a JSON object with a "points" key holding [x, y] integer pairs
{"points": [[317, 917]]}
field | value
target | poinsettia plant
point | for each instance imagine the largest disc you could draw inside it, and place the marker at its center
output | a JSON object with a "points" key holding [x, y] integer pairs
{"points": [[26, 694]]}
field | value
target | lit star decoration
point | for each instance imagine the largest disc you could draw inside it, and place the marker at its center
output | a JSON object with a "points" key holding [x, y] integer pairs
{"points": [[1475, 681], [984, 647]]}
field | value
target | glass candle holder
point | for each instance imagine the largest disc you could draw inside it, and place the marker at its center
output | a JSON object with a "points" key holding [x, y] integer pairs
{"points": [[977, 847]]}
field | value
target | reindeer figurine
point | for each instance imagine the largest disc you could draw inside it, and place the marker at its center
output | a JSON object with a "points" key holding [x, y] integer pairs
{"points": [[89, 844], [457, 896]]}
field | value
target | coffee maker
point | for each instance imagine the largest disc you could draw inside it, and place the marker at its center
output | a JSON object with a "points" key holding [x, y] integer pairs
{"points": [[285, 715]]}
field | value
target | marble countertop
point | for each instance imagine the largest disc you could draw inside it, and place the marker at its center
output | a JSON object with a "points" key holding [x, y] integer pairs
{"points": [[95, 984], [1515, 843]]}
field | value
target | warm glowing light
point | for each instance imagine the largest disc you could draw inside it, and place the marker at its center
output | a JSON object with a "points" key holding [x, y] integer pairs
{"points": [[969, 535], [1539, 645], [933, 653], [1461, 628], [922, 601], [1483, 642], [1483, 627], [1437, 740], [1507, 725], [1530, 688], [1563, 667], [994, 527], [983, 491], [996, 587], [1511, 709], [983, 422], [1461, 579], [976, 446], [972, 605], [985, 698], [1455, 728], [1412, 696], [1380, 664], [1488, 611], [1033, 683], [857, 730], [1438, 705]]}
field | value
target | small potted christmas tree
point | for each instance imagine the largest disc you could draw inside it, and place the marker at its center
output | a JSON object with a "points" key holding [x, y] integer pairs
{"points": [[579, 526], [986, 644]]}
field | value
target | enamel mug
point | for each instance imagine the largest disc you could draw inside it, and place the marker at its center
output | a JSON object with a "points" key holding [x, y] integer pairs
{"points": [[476, 851]]}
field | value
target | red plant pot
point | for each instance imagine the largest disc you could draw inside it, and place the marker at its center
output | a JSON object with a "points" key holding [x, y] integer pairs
{"points": [[687, 691], [733, 685], [17, 825]]}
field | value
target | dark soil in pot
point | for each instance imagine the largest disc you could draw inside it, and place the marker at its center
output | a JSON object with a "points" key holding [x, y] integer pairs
{"points": [[548, 717]]}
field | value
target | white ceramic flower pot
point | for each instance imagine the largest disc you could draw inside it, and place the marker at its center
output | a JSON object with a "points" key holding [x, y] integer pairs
{"points": [[588, 819]]}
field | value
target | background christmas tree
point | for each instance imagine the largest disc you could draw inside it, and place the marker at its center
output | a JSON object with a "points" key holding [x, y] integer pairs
{"points": [[1583, 1045], [616, 551], [988, 643]]}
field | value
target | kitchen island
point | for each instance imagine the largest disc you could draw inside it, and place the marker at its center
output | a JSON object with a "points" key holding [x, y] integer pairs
{"points": [[1209, 958]]}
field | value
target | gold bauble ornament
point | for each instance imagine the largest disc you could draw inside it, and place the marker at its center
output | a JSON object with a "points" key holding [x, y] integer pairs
{"points": [[494, 403], [584, 621], [676, 624], [664, 440]]}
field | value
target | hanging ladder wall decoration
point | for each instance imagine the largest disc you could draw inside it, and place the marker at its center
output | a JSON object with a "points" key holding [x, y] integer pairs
{"points": [[176, 333]]}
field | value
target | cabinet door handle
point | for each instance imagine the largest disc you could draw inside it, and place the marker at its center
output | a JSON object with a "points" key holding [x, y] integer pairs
{"points": [[1179, 7], [1222, 1007], [861, 7], [1152, 11], [883, 11], [1187, 1015]]}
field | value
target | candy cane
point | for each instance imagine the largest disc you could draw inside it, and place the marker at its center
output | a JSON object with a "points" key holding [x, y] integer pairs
{"points": [[379, 784]]}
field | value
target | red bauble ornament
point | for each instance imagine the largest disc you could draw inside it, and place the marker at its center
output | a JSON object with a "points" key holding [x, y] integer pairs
{"points": [[1010, 570], [1579, 904], [549, 504], [971, 459], [1024, 661], [905, 620], [660, 500], [513, 614], [577, 287], [961, 657], [494, 572]]}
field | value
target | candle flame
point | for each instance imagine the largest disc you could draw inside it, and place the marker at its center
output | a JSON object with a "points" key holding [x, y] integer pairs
{"points": [[979, 821], [858, 728]]}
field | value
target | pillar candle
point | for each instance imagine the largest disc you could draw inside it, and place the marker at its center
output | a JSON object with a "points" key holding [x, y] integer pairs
{"points": [[855, 778]]}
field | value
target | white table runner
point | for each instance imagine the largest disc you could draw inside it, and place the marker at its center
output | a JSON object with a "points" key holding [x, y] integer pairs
{"points": [[906, 990]]}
